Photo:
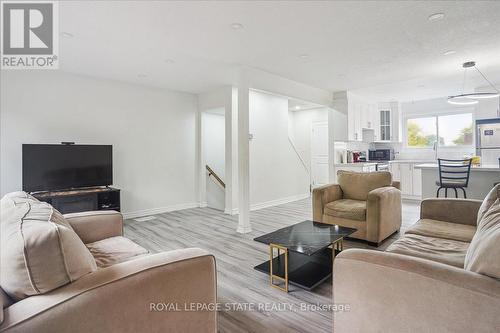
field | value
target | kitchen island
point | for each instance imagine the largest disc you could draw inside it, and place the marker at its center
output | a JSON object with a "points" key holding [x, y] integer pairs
{"points": [[482, 179]]}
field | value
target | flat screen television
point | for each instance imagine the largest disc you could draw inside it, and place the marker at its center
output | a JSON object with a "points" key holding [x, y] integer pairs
{"points": [[61, 167]]}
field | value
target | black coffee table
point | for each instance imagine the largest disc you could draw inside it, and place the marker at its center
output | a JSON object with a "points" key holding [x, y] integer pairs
{"points": [[304, 258]]}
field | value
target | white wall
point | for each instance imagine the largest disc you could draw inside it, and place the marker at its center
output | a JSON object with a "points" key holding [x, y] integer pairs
{"points": [[152, 132], [276, 174], [213, 140]]}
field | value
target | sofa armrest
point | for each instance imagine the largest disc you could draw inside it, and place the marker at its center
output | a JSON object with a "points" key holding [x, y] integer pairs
{"points": [[96, 225], [396, 184], [462, 211], [154, 293], [389, 292], [383, 213], [323, 195]]}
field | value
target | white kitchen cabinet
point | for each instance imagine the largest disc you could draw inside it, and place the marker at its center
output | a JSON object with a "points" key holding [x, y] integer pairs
{"points": [[417, 181], [360, 116], [394, 169], [406, 178], [385, 125], [388, 123], [409, 178]]}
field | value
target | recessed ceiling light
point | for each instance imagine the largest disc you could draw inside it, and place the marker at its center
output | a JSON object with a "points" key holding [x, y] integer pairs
{"points": [[436, 17], [169, 61], [236, 26], [304, 56], [67, 34], [297, 107], [141, 75], [450, 52]]}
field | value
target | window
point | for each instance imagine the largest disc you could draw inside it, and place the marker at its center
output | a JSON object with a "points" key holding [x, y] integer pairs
{"points": [[456, 129], [421, 132], [452, 130]]}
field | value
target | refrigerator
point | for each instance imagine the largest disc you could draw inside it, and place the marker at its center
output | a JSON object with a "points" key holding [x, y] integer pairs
{"points": [[488, 141]]}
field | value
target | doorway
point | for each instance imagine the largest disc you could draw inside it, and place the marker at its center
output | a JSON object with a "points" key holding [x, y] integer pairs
{"points": [[319, 153], [213, 155]]}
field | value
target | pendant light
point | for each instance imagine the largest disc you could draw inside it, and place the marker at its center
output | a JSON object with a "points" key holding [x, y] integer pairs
{"points": [[472, 98]]}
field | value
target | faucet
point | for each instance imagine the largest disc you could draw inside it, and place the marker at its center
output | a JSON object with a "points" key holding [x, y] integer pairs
{"points": [[435, 148]]}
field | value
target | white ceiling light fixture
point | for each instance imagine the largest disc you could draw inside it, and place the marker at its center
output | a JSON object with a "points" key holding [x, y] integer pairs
{"points": [[236, 26], [304, 56], [450, 52], [297, 107], [472, 98], [436, 17]]}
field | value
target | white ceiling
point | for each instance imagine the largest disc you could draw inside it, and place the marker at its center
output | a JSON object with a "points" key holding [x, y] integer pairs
{"points": [[379, 49], [300, 105]]}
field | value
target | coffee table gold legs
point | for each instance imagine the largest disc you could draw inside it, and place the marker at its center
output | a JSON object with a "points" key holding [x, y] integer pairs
{"points": [[271, 274], [339, 245]]}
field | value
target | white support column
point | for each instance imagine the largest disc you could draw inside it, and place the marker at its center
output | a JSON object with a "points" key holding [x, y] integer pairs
{"points": [[200, 169], [232, 152], [243, 158]]}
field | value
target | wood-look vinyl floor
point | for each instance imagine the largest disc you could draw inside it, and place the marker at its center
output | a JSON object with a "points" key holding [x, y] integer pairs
{"points": [[236, 255]]}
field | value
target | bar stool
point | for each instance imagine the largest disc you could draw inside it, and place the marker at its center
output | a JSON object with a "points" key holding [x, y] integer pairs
{"points": [[453, 174]]}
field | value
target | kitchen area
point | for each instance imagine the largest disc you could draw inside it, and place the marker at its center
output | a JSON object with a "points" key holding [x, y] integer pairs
{"points": [[379, 137]]}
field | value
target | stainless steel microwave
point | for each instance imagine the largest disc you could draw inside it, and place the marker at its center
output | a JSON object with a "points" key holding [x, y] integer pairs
{"points": [[381, 154]]}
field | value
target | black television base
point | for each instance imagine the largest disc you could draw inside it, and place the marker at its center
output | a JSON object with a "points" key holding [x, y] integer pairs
{"points": [[81, 200]]}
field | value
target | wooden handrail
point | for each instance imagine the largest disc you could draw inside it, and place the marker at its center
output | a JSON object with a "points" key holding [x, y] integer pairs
{"points": [[212, 173]]}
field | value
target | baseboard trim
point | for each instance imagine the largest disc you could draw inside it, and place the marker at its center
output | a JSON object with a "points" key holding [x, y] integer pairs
{"points": [[272, 203], [233, 211], [280, 201], [160, 210]]}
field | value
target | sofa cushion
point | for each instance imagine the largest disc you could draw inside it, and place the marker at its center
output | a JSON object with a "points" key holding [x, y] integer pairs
{"points": [[446, 251], [39, 250], [483, 256], [114, 250], [11, 199], [347, 209], [488, 202], [440, 229], [357, 185]]}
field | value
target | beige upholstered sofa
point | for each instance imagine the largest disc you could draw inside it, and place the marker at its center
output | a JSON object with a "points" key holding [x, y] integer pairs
{"points": [[367, 201], [443, 275], [77, 273]]}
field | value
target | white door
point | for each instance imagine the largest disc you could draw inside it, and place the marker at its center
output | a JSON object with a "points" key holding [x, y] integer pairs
{"points": [[319, 153]]}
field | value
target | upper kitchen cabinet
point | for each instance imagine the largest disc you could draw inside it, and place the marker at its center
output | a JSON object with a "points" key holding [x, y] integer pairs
{"points": [[388, 126], [361, 115]]}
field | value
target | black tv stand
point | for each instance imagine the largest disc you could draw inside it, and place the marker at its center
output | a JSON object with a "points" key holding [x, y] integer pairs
{"points": [[81, 200]]}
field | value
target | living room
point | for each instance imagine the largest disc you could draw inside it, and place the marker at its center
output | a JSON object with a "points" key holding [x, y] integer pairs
{"points": [[173, 157]]}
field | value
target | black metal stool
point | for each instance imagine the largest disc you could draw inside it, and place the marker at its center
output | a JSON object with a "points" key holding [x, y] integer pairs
{"points": [[453, 174]]}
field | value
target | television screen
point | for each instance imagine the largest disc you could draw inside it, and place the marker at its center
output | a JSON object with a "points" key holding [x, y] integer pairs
{"points": [[60, 167]]}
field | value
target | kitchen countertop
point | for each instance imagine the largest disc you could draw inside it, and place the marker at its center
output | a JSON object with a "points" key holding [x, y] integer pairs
{"points": [[413, 161], [495, 168], [356, 164]]}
